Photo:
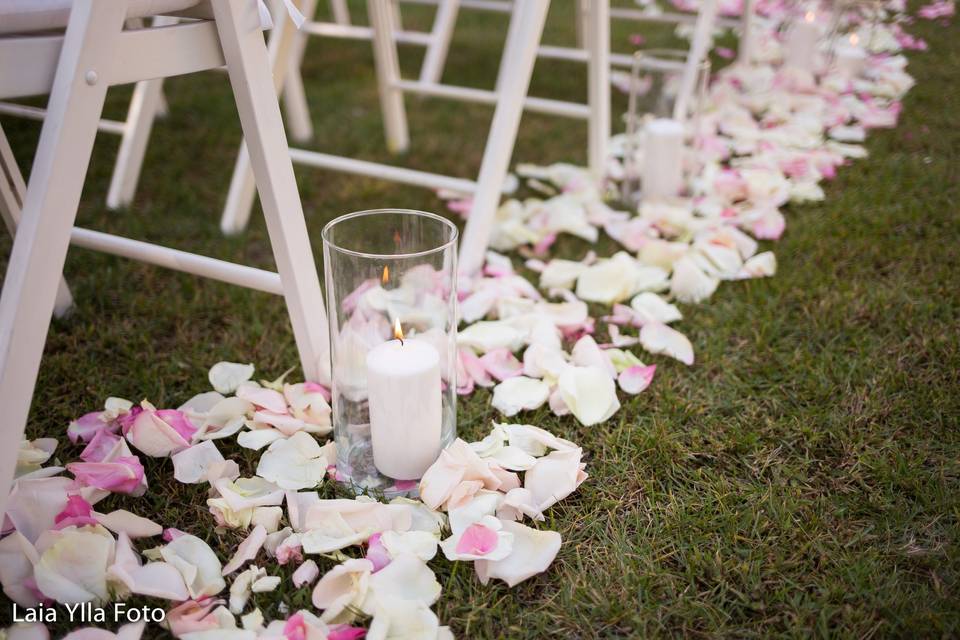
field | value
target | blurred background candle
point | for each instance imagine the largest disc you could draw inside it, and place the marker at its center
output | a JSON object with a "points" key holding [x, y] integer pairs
{"points": [[803, 39], [403, 381], [850, 57], [662, 159]]}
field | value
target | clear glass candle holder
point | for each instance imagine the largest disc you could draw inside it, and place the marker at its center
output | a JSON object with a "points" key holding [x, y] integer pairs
{"points": [[656, 77], [392, 301]]}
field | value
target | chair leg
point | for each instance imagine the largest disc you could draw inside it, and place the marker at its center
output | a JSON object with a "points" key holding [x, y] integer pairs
{"points": [[12, 193], [580, 22], [236, 212], [248, 65], [388, 74], [598, 80], [699, 48], [436, 57], [745, 49], [146, 105], [294, 96], [509, 44], [49, 210], [340, 10], [515, 70]]}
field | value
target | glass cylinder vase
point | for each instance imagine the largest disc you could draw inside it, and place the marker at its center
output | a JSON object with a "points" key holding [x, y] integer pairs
{"points": [[392, 301]]}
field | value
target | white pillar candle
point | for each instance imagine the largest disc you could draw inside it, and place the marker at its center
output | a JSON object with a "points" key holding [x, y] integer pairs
{"points": [[803, 39], [850, 57], [850, 60], [662, 159], [403, 380]]}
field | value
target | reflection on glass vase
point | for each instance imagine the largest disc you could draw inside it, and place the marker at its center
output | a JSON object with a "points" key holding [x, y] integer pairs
{"points": [[391, 295], [663, 123]]}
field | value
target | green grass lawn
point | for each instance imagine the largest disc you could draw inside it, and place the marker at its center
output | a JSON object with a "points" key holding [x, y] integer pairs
{"points": [[802, 479]]}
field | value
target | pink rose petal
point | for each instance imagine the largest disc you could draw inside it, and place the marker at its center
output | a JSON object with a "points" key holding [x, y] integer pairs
{"points": [[477, 540], [123, 474], [78, 512], [100, 446], [377, 553], [84, 428], [501, 364], [635, 379]]}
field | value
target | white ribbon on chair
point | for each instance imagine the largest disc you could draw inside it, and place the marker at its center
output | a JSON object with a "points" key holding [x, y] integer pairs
{"points": [[266, 21]]}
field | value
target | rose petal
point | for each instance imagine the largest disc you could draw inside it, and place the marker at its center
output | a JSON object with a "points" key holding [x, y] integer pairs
{"points": [[247, 550], [518, 394], [190, 465], [661, 339], [533, 552], [635, 379], [589, 393], [225, 377]]}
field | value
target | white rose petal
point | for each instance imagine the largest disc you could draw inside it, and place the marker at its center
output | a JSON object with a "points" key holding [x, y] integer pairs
{"points": [[225, 377], [661, 339], [514, 395], [589, 392]]}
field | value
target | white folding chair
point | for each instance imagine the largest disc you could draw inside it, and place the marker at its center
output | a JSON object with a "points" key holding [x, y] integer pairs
{"points": [[146, 105], [75, 67], [510, 98]]}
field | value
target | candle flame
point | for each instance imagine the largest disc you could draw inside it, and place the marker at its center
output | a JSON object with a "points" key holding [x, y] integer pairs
{"points": [[810, 17], [397, 330], [854, 38], [386, 275]]}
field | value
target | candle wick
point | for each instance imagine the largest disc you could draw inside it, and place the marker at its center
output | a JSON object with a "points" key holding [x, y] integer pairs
{"points": [[401, 341]]}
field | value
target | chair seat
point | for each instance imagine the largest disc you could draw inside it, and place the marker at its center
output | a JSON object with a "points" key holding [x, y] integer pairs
{"points": [[23, 16]]}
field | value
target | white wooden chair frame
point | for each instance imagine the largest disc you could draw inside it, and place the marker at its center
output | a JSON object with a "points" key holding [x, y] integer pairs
{"points": [[146, 105], [510, 98], [578, 53], [75, 69]]}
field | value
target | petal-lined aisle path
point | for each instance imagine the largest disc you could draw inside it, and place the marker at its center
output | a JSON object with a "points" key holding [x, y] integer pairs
{"points": [[761, 483]]}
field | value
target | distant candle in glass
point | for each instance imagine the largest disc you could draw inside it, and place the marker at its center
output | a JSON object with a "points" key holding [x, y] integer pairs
{"points": [[803, 38], [403, 379], [851, 58], [662, 159]]}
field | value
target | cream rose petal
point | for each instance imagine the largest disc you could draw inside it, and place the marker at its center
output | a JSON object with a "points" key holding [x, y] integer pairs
{"points": [[690, 283], [589, 393], [533, 552], [650, 307], [396, 620], [586, 353], [660, 339], [422, 544], [225, 377], [257, 439], [514, 395], [246, 493], [190, 465], [535, 440], [408, 578], [554, 477], [156, 579], [345, 585], [295, 463], [306, 573], [247, 550], [761, 265], [197, 563], [122, 521], [489, 335], [73, 568]]}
